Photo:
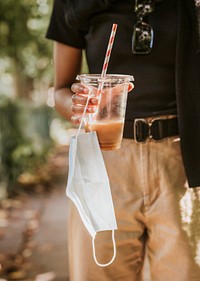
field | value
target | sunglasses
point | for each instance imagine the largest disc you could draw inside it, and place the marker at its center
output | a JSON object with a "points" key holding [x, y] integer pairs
{"points": [[143, 34]]}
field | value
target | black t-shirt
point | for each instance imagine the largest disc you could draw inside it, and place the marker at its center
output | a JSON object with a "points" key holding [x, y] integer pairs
{"points": [[154, 92]]}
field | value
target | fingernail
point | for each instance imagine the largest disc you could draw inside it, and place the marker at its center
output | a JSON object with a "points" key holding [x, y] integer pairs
{"points": [[85, 90], [94, 100], [75, 119], [80, 89], [90, 109]]}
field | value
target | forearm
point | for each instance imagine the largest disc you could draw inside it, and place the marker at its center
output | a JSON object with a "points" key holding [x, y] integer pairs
{"points": [[63, 102], [67, 64]]}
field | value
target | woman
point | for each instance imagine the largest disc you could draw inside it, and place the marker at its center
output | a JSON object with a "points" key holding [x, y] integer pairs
{"points": [[158, 43]]}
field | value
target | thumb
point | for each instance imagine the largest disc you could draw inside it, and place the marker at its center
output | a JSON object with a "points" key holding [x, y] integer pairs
{"points": [[130, 87]]}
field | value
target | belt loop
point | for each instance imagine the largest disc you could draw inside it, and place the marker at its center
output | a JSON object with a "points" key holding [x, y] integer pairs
{"points": [[140, 130]]}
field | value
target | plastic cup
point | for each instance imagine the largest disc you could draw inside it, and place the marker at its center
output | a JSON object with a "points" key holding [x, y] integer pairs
{"points": [[108, 118]]}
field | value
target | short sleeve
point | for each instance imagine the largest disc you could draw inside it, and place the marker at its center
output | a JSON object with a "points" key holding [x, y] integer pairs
{"points": [[59, 31]]}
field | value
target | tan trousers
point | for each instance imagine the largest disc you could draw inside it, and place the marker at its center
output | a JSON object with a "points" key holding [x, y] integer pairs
{"points": [[158, 218]]}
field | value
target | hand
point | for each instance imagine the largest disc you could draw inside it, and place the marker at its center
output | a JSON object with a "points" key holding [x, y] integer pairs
{"points": [[79, 99]]}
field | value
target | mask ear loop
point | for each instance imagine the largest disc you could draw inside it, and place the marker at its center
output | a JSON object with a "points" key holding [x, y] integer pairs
{"points": [[83, 115], [114, 251]]}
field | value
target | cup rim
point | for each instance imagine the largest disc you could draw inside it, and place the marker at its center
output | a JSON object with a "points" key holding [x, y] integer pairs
{"points": [[106, 78]]}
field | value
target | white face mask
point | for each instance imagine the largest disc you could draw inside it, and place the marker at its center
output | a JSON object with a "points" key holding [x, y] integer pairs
{"points": [[88, 187]]}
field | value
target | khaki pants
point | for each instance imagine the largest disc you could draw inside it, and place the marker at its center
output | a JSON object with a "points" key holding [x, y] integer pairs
{"points": [[158, 217]]}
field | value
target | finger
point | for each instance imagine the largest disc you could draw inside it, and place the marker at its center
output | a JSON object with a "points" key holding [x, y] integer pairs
{"points": [[76, 119], [78, 109], [81, 100], [79, 88]]}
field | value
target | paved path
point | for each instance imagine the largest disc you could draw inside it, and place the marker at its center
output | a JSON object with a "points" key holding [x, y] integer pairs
{"points": [[51, 252], [34, 232]]}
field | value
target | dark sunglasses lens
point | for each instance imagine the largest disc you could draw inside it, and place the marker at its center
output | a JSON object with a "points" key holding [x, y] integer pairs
{"points": [[142, 40]]}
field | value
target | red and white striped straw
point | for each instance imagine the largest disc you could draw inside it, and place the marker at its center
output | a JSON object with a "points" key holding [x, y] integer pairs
{"points": [[109, 49], [104, 70]]}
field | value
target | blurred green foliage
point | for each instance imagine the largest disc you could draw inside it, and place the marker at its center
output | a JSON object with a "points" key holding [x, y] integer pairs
{"points": [[26, 73], [23, 25], [21, 150]]}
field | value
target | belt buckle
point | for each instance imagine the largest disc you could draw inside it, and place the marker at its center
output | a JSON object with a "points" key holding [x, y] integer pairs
{"points": [[138, 132]]}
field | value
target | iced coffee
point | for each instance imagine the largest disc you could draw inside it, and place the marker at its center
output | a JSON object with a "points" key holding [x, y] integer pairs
{"points": [[108, 118]]}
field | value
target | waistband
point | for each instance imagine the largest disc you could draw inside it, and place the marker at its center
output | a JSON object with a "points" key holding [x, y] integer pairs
{"points": [[155, 128]]}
